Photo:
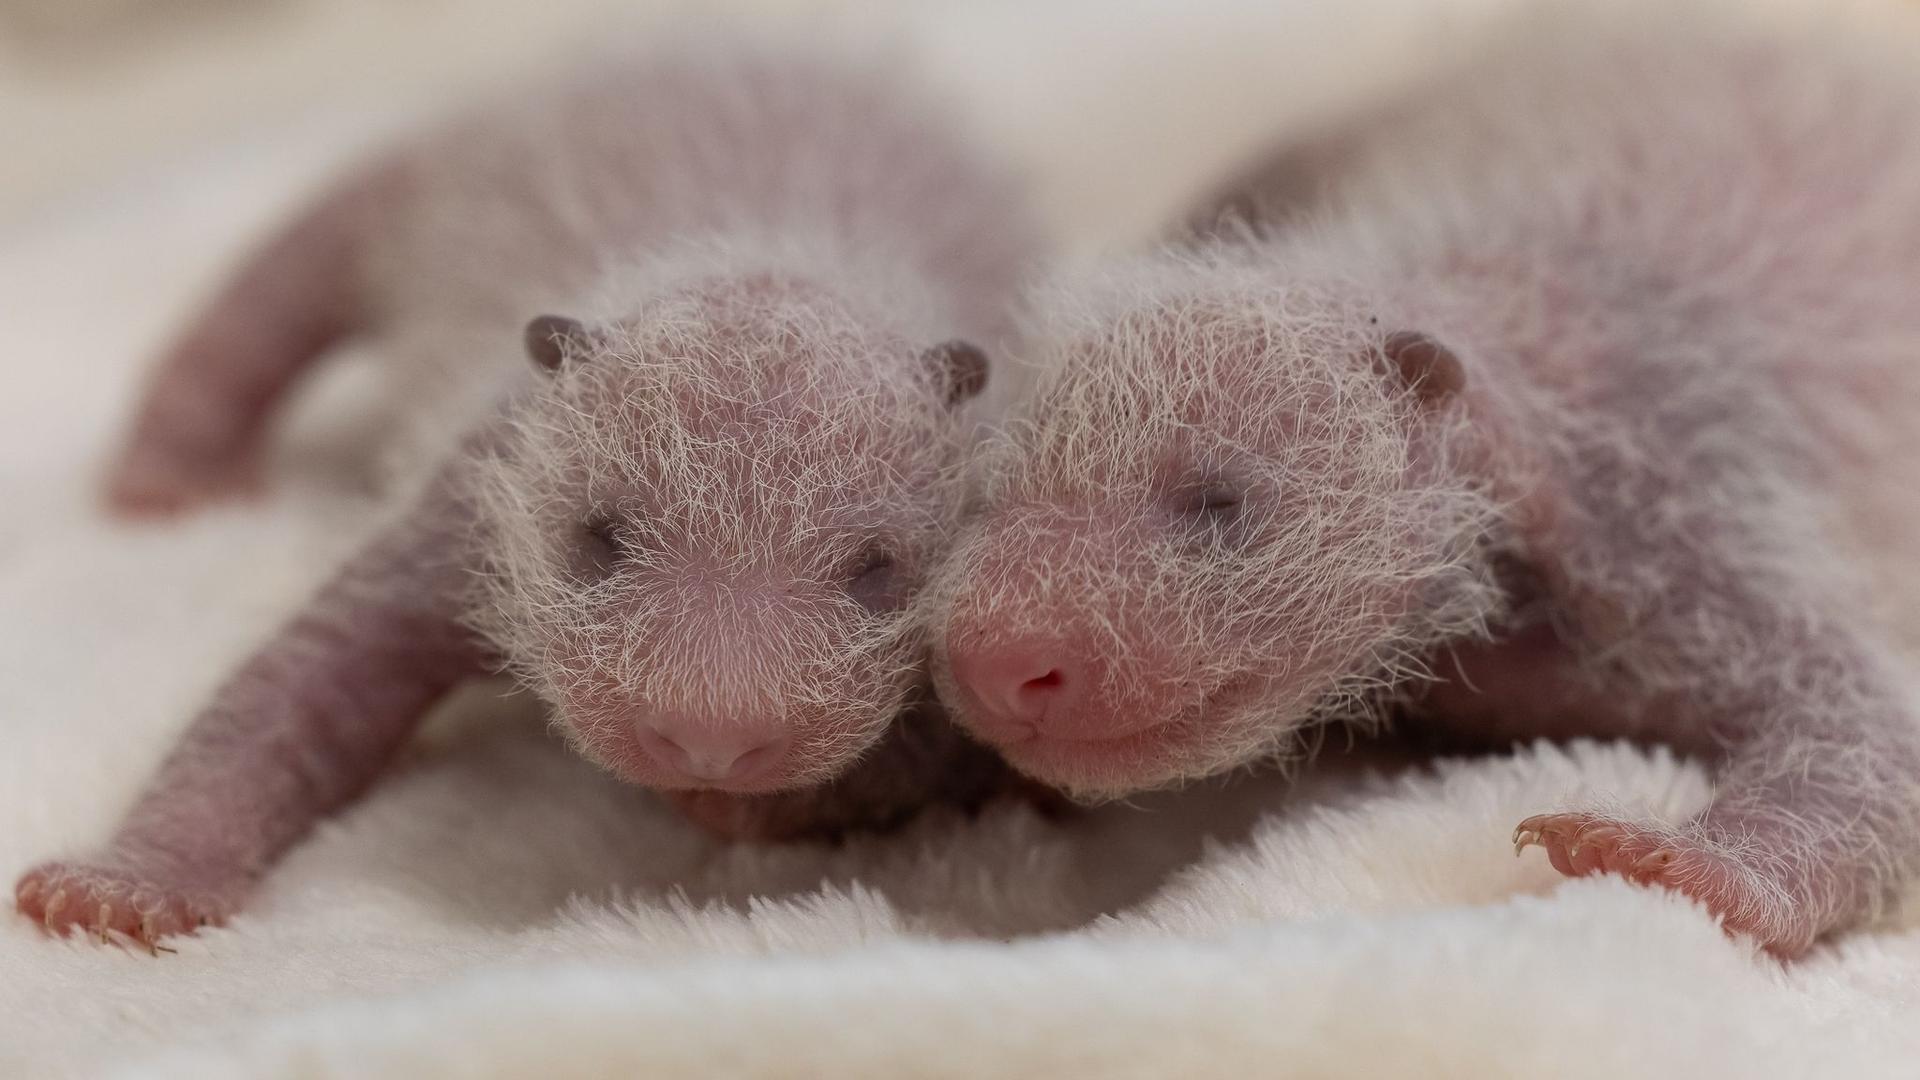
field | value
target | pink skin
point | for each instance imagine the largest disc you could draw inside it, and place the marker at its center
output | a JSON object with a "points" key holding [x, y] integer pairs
{"points": [[1816, 744], [312, 719], [1100, 701], [722, 209], [1075, 638], [1671, 402], [295, 734], [763, 271], [1579, 845], [731, 620]]}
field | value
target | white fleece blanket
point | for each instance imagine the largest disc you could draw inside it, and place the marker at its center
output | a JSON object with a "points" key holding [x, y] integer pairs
{"points": [[496, 908]]}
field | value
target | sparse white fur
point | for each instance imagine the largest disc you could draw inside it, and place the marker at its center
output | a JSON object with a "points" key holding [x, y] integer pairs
{"points": [[763, 260], [746, 480], [743, 269], [1675, 253], [1162, 340], [707, 154]]}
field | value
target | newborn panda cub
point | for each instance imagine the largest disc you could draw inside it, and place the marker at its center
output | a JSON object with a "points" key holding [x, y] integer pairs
{"points": [[1585, 405], [694, 532]]}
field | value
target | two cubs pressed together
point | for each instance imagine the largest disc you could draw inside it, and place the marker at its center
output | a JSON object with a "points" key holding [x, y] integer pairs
{"points": [[1580, 403]]}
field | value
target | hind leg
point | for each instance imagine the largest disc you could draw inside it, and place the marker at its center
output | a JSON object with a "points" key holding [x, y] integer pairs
{"points": [[199, 429]]}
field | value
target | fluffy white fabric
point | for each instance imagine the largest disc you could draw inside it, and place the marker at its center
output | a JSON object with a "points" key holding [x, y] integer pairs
{"points": [[497, 909]]}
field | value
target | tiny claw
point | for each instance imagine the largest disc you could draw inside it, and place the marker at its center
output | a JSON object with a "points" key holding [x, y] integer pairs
{"points": [[106, 916], [1522, 838], [151, 940], [1658, 860], [54, 903], [1592, 834]]}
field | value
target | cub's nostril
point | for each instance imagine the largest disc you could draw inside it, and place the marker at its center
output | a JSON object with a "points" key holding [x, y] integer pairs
{"points": [[1040, 698], [1014, 690], [664, 750], [1044, 684], [754, 760]]}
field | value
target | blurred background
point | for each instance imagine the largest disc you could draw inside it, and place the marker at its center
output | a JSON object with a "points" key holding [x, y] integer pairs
{"points": [[117, 92], [97, 90], [147, 141]]}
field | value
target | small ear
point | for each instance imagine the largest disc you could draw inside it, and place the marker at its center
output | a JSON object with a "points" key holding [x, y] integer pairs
{"points": [[960, 366], [1425, 365], [551, 338]]}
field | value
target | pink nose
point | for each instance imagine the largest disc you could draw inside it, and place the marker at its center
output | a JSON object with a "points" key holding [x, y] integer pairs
{"points": [[712, 754], [1020, 687]]}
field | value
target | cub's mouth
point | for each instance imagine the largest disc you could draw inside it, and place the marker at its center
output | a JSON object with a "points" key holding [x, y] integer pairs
{"points": [[1162, 753]]}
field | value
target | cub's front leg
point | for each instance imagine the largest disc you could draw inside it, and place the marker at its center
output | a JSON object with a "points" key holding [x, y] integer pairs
{"points": [[303, 727], [1815, 819]]}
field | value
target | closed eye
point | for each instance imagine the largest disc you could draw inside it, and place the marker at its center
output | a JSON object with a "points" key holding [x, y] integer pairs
{"points": [[872, 577], [1213, 513], [602, 545], [1210, 501], [1220, 501]]}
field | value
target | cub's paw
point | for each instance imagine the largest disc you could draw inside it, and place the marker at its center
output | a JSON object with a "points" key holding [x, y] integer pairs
{"points": [[1714, 873], [104, 900]]}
